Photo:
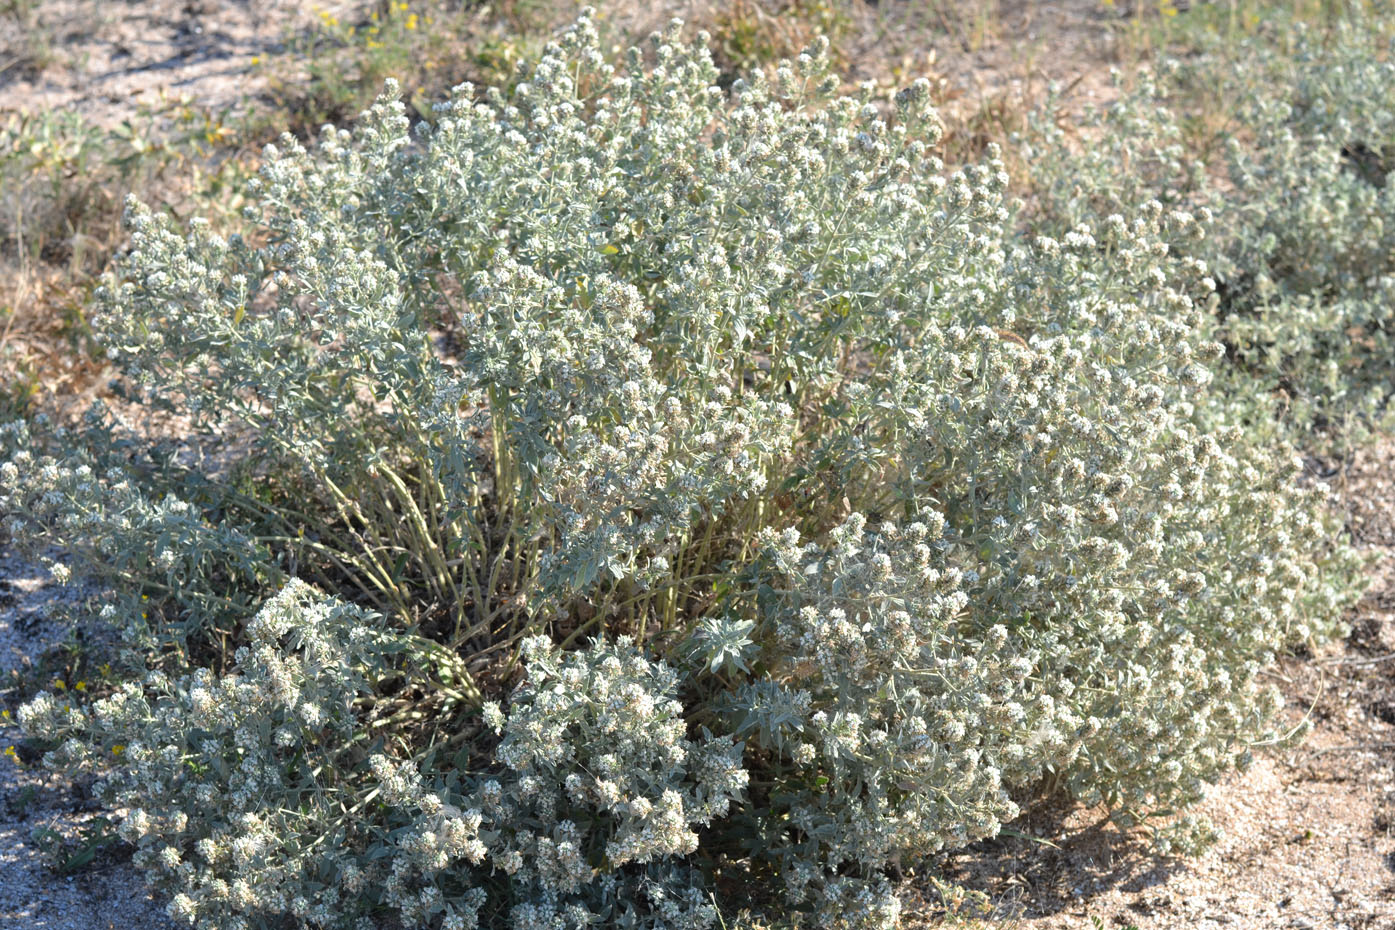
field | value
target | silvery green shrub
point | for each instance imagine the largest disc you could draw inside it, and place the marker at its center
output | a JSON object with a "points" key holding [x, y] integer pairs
{"points": [[1297, 200], [1049, 605], [243, 792], [255, 794], [116, 525], [721, 482]]}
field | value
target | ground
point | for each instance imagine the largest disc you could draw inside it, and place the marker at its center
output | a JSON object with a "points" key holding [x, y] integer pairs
{"points": [[1308, 833]]}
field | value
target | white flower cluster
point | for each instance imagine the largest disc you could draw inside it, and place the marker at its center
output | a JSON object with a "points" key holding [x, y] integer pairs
{"points": [[1299, 211], [238, 788], [603, 792], [248, 798], [890, 715], [128, 540]]}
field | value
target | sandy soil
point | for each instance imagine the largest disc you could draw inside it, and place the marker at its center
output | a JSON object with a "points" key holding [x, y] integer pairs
{"points": [[105, 59]]}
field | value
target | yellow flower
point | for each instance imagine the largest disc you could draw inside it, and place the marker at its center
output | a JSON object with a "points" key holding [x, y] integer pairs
{"points": [[412, 22], [59, 685], [10, 751], [256, 60], [118, 749], [81, 686]]}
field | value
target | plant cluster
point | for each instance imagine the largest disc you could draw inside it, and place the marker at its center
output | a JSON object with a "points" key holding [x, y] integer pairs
{"points": [[1296, 186], [254, 794], [702, 481], [330, 69]]}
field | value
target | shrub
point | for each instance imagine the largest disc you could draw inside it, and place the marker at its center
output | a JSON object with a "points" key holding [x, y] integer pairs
{"points": [[253, 794], [1296, 184], [240, 789], [804, 514]]}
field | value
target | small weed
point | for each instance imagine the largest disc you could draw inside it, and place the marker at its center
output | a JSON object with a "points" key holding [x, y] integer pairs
{"points": [[749, 34], [332, 70], [67, 855], [21, 802]]}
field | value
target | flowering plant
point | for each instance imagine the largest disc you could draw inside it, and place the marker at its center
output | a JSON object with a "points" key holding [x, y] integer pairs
{"points": [[704, 481]]}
